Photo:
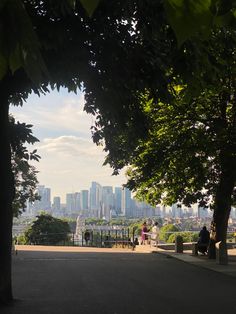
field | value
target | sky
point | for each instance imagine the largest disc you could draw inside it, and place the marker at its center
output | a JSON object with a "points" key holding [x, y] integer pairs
{"points": [[70, 160]]}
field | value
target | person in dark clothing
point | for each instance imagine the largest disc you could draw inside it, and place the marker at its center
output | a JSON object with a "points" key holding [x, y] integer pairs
{"points": [[87, 237], [203, 241], [136, 241]]}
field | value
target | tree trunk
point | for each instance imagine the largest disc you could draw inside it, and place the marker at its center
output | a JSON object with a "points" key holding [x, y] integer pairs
{"points": [[6, 198], [222, 206]]}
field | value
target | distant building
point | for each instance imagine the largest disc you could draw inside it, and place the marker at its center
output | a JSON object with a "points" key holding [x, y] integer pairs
{"points": [[108, 197], [176, 210], [157, 211], [202, 212], [44, 203], [70, 203], [125, 202], [163, 211], [84, 199], [117, 199], [95, 196], [77, 197], [56, 205]]}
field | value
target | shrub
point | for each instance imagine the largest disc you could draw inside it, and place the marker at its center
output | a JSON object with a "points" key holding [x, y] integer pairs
{"points": [[166, 231], [21, 239], [187, 237]]}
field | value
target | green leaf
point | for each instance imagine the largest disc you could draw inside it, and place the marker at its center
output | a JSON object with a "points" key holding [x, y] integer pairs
{"points": [[26, 43], [187, 18], [90, 6], [15, 59], [3, 66]]}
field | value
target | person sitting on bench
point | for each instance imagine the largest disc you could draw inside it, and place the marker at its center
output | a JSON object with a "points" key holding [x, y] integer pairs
{"points": [[203, 241]]}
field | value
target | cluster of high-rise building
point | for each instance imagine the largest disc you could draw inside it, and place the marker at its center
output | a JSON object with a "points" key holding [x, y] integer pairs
{"points": [[105, 202], [98, 202]]}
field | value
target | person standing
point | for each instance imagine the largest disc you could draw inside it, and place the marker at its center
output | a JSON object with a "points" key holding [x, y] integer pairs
{"points": [[87, 237], [155, 234], [144, 232]]}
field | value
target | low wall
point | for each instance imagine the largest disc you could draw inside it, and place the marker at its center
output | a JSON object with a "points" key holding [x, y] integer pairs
{"points": [[188, 246]]}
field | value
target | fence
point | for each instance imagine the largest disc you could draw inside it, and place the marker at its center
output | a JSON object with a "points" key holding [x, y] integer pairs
{"points": [[92, 238], [110, 238]]}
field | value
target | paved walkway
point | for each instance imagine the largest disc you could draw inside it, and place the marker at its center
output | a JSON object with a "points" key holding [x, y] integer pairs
{"points": [[72, 280], [201, 261]]}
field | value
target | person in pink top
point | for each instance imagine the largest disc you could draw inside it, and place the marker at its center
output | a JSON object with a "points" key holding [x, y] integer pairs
{"points": [[144, 232]]}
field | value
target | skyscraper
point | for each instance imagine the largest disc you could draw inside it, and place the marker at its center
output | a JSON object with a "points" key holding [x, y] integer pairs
{"points": [[95, 196], [45, 199], [125, 202], [117, 199], [84, 199], [77, 197], [107, 196], [56, 206], [70, 203]]}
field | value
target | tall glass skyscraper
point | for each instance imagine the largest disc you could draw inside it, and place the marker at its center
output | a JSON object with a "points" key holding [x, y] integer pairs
{"points": [[84, 199], [117, 200], [125, 202], [95, 196]]}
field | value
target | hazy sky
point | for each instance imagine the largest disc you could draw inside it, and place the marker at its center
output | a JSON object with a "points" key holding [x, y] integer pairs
{"points": [[69, 158]]}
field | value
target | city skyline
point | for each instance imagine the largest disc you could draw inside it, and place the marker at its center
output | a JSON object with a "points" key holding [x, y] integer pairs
{"points": [[69, 158], [99, 201], [108, 202]]}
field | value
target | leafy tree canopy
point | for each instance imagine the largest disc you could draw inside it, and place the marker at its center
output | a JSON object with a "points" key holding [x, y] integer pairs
{"points": [[25, 175], [197, 18], [23, 48], [47, 229], [191, 142], [125, 49]]}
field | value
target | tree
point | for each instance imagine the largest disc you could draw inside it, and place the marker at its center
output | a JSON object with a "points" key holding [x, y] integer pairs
{"points": [[190, 154], [47, 229], [50, 44], [114, 56], [25, 175], [18, 185]]}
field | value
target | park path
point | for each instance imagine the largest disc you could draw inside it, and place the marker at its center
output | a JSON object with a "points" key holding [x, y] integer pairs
{"points": [[98, 282]]}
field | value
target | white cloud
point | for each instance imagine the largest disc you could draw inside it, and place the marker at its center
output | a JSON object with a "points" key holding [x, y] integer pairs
{"points": [[70, 161], [71, 146], [56, 113], [68, 115]]}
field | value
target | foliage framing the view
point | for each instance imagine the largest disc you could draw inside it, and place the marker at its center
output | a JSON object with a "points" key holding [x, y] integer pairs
{"points": [[124, 49], [25, 175]]}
